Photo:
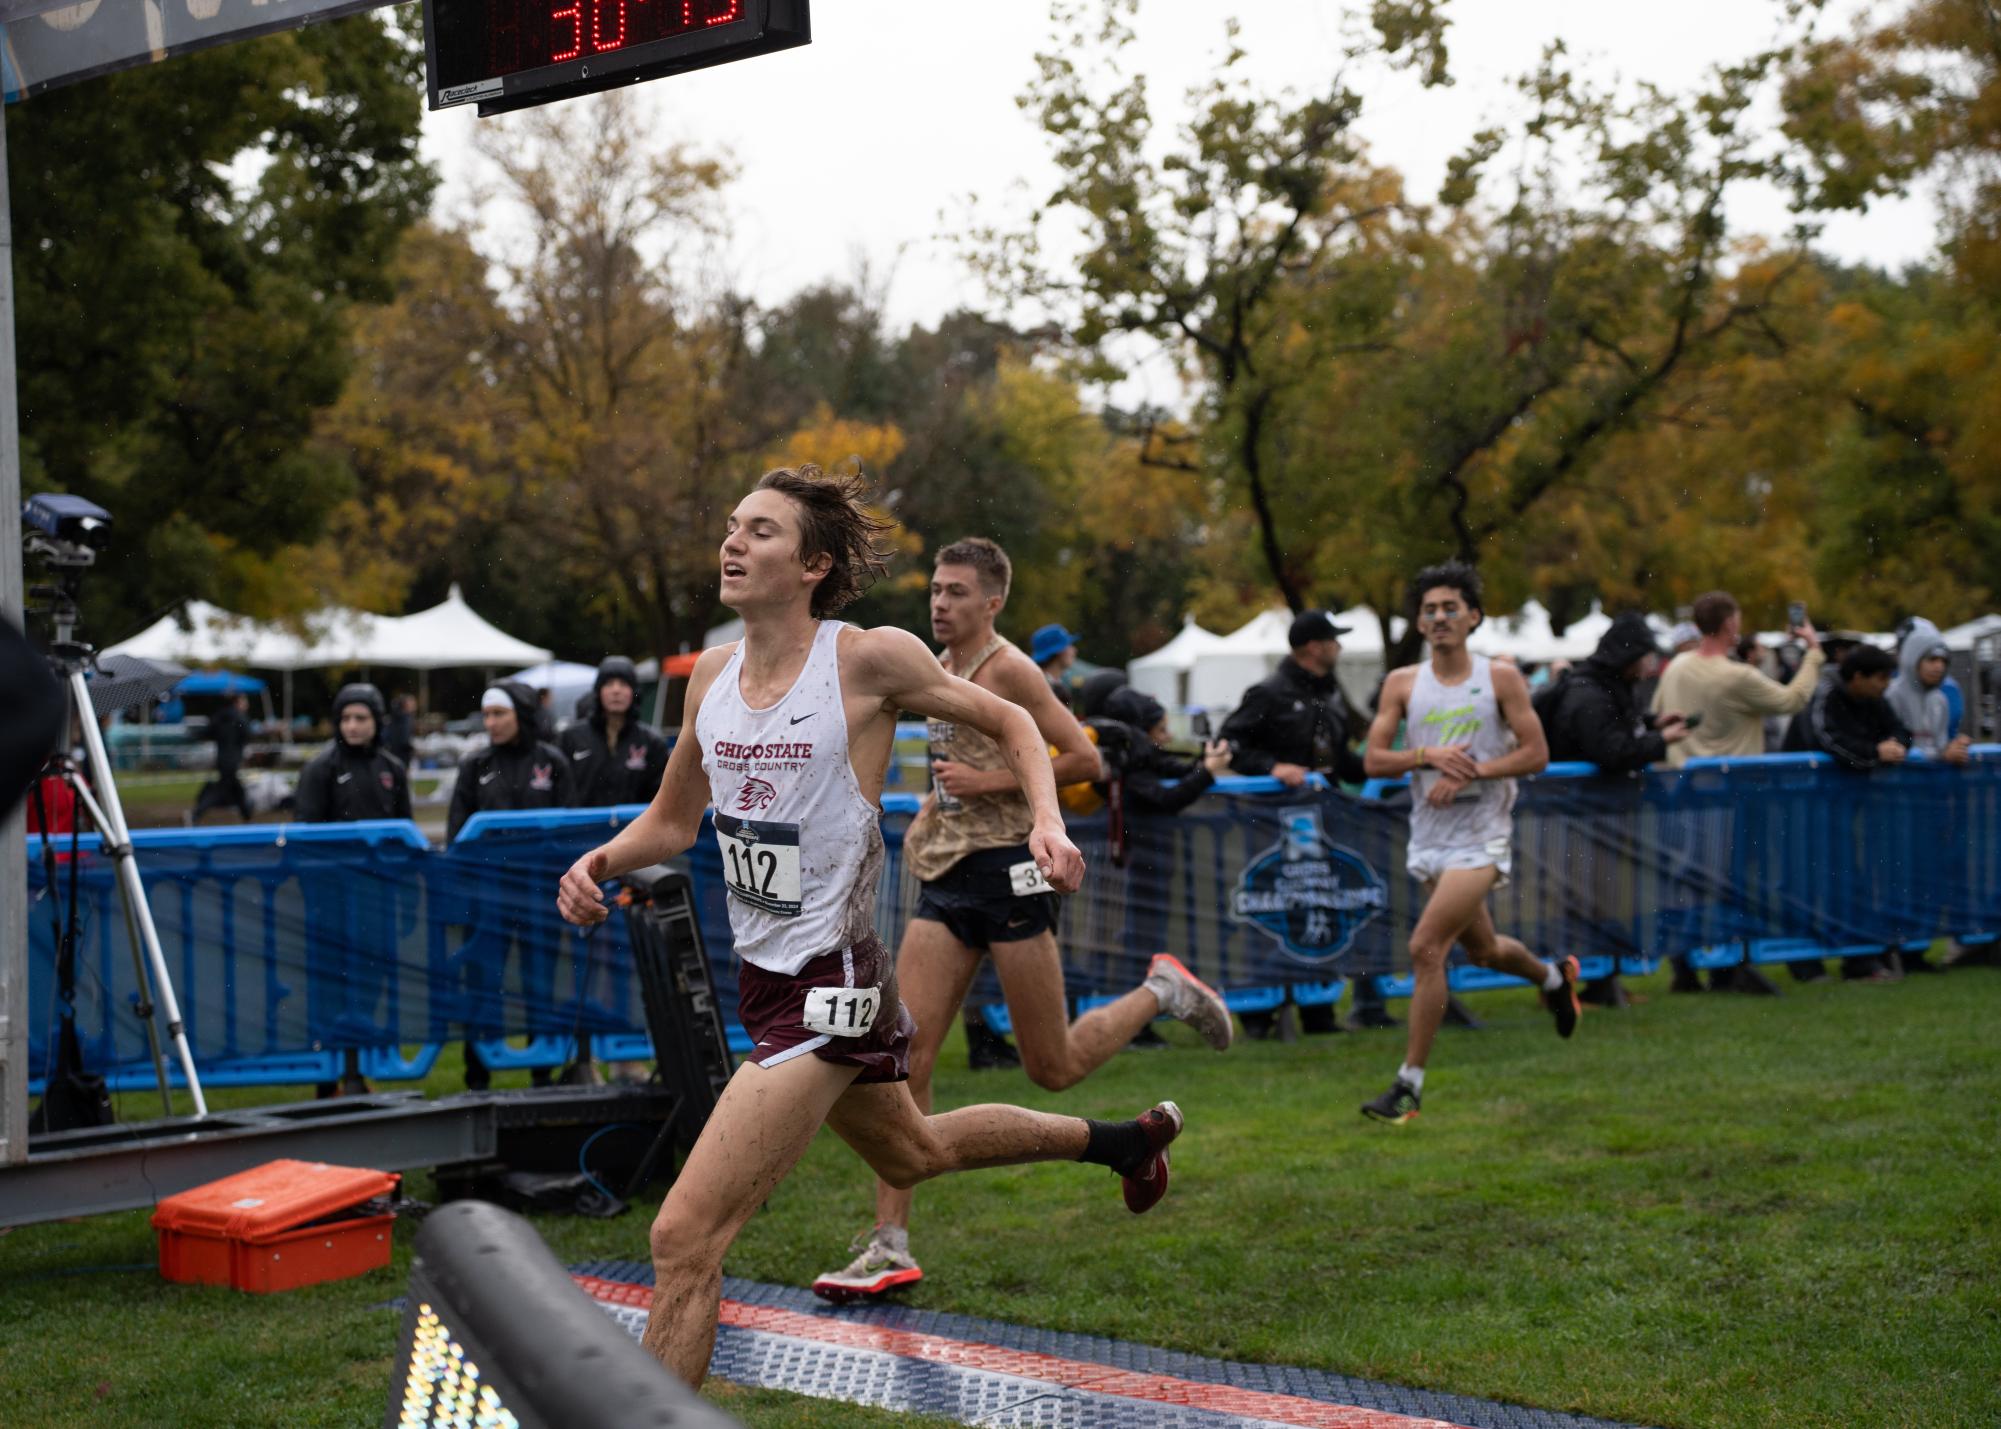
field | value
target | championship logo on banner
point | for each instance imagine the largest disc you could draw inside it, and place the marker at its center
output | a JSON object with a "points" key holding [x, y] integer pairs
{"points": [[1309, 893]]}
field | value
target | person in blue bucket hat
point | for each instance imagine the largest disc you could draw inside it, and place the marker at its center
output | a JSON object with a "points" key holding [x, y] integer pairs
{"points": [[1054, 649]]}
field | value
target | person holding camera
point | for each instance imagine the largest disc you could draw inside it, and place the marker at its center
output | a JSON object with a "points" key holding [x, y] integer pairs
{"points": [[1592, 714], [1731, 699]]}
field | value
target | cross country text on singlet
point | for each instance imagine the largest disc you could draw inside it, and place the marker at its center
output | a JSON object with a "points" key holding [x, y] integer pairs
{"points": [[801, 847]]}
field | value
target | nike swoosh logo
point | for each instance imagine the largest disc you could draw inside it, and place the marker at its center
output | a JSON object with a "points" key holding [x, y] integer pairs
{"points": [[797, 718], [489, 778], [343, 779], [580, 754]]}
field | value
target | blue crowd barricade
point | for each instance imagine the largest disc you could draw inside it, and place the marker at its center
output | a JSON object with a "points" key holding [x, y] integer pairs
{"points": [[294, 942]]}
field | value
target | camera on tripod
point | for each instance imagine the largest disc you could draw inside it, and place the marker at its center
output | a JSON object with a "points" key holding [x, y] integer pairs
{"points": [[64, 530], [63, 533]]}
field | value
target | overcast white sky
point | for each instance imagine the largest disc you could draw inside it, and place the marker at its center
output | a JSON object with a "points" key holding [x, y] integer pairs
{"points": [[857, 148]]}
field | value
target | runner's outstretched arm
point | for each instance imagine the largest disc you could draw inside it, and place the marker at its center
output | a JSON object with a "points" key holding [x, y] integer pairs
{"points": [[898, 668], [670, 824]]}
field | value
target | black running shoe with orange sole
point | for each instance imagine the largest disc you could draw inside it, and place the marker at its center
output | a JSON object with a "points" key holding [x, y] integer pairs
{"points": [[1396, 1106], [1562, 1001]]}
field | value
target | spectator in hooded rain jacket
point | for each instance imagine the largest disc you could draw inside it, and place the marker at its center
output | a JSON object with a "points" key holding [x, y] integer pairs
{"points": [[613, 758]]}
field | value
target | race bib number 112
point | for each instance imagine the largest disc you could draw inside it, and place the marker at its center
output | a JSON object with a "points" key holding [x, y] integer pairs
{"points": [[760, 863], [842, 1011]]}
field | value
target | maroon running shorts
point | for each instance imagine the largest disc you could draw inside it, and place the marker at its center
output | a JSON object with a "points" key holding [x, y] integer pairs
{"points": [[842, 1007]]}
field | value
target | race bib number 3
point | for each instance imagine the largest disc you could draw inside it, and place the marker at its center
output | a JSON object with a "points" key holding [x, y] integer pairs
{"points": [[842, 1011], [760, 863], [1026, 878]]}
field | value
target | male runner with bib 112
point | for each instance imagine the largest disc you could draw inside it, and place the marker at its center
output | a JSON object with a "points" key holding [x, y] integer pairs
{"points": [[1470, 732], [981, 894], [788, 733]]}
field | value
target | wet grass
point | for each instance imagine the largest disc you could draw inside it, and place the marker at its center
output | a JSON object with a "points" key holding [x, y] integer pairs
{"points": [[1712, 1210]]}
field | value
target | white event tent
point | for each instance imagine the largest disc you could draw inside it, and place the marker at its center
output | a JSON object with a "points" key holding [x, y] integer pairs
{"points": [[1962, 637], [1164, 673], [448, 635]]}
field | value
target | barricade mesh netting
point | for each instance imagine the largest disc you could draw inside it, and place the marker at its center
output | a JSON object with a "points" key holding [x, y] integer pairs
{"points": [[288, 938]]}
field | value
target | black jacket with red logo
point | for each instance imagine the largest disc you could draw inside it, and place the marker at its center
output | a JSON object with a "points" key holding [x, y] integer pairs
{"points": [[527, 773], [347, 783], [344, 784], [605, 772]]}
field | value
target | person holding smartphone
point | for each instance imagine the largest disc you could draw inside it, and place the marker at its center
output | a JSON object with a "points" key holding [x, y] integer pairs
{"points": [[1731, 699]]}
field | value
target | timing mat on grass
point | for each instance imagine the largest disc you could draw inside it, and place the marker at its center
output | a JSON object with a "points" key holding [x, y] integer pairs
{"points": [[991, 1373]]}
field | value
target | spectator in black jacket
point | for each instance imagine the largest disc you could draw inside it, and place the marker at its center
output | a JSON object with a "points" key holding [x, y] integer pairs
{"points": [[516, 770], [1593, 714], [613, 758], [1848, 717], [355, 777], [1290, 723], [352, 779], [1155, 784], [231, 732], [1158, 781], [1295, 720]]}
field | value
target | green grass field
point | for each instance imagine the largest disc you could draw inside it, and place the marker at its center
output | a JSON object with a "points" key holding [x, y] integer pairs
{"points": [[1713, 1210]]}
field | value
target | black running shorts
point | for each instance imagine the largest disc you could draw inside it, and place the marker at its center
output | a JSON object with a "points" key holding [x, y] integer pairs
{"points": [[976, 899]]}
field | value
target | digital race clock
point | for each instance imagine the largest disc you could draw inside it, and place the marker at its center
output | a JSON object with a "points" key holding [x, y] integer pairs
{"points": [[509, 54]]}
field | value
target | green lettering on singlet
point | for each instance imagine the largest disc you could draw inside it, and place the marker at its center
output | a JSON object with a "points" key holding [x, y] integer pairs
{"points": [[1451, 726]]}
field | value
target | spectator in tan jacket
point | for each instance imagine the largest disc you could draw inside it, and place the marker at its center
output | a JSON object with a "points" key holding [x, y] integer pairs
{"points": [[1731, 698]]}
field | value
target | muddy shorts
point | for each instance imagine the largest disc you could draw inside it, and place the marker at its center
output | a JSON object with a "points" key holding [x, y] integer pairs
{"points": [[842, 1007]]}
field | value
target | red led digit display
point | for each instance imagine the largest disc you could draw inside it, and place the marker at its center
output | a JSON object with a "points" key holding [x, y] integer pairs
{"points": [[503, 54]]}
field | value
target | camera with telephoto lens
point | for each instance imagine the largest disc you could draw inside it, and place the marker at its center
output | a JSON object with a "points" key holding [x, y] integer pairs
{"points": [[64, 530], [63, 533]]}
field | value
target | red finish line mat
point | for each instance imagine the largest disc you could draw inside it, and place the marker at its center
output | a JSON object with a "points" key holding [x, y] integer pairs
{"points": [[991, 1373]]}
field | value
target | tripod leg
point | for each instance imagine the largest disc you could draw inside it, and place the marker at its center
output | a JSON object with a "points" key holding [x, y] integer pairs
{"points": [[147, 1012]]}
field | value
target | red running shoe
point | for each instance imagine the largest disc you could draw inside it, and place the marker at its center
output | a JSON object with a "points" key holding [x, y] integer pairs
{"points": [[1145, 1186]]}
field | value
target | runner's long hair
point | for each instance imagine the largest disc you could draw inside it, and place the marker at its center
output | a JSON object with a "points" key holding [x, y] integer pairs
{"points": [[835, 521]]}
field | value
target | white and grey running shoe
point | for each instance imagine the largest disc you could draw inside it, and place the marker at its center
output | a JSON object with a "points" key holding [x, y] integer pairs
{"points": [[1186, 998], [876, 1270]]}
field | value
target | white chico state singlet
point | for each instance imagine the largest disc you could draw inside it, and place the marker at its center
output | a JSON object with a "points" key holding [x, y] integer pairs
{"points": [[801, 848], [1465, 716]]}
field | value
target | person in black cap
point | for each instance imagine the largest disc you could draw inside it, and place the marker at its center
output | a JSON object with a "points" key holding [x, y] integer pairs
{"points": [[354, 778], [614, 759], [1296, 720], [1593, 713], [1293, 722]]}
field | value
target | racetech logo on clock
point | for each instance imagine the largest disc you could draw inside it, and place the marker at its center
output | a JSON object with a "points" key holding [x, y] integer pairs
{"points": [[755, 794]]}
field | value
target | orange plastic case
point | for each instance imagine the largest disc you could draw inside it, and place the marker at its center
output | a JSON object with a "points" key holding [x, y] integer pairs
{"points": [[275, 1227]]}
